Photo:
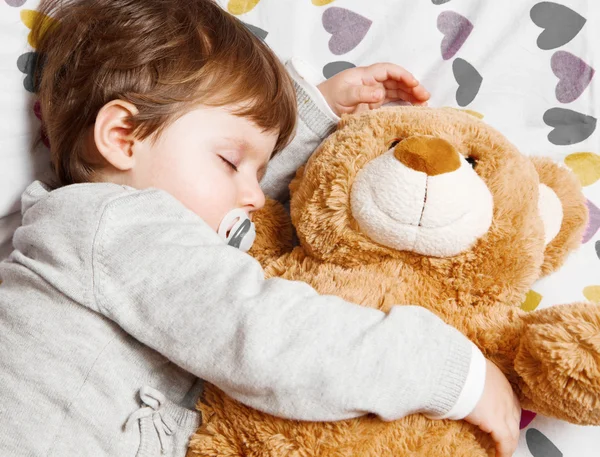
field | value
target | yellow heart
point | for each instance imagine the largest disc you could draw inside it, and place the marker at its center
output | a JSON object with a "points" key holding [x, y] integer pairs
{"points": [[29, 18], [585, 165], [476, 114], [532, 300], [592, 293], [321, 2], [473, 113], [238, 7]]}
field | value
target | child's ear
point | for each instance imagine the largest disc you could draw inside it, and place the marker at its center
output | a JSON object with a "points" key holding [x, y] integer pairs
{"points": [[113, 134]]}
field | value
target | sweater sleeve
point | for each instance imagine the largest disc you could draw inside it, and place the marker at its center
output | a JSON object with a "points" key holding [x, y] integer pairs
{"points": [[316, 121], [168, 280]]}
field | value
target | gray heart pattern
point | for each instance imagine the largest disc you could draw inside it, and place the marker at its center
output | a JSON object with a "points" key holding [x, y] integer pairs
{"points": [[570, 127], [333, 68], [257, 31], [539, 445], [27, 63], [469, 81], [560, 24]]}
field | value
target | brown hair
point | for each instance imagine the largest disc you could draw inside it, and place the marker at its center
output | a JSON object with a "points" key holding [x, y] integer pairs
{"points": [[163, 56]]}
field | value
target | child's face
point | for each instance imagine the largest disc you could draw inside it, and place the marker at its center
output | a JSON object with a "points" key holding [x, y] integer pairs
{"points": [[195, 160]]}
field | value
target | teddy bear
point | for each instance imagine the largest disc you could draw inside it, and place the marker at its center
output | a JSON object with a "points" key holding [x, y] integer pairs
{"points": [[433, 207]]}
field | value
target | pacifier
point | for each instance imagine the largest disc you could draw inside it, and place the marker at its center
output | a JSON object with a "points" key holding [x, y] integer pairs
{"points": [[241, 229]]}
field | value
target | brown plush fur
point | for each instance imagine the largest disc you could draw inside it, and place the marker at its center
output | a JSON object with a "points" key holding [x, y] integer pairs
{"points": [[551, 356]]}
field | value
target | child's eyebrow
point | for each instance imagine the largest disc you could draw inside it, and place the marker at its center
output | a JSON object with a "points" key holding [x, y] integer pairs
{"points": [[241, 143]]}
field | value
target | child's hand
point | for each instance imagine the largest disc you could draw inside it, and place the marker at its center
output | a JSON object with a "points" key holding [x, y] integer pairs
{"points": [[498, 411], [363, 88]]}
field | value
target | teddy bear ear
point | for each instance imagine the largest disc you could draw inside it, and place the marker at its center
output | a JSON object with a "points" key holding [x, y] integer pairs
{"points": [[563, 210]]}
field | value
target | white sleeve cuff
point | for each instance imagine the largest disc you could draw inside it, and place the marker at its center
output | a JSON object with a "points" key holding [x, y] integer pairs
{"points": [[472, 390], [307, 78]]}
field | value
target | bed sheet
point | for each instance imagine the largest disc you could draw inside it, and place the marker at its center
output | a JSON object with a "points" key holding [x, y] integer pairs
{"points": [[527, 67]]}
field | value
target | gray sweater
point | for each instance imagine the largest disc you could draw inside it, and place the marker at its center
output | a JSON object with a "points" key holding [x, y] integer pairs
{"points": [[115, 301]]}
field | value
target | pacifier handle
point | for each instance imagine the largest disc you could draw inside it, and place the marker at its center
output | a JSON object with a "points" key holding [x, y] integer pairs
{"points": [[242, 233]]}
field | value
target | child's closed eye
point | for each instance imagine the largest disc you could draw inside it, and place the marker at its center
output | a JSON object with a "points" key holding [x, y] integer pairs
{"points": [[228, 163]]}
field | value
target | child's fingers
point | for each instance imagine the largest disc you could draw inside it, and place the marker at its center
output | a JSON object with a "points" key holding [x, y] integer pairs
{"points": [[418, 90], [506, 436], [377, 105], [506, 443], [398, 94], [421, 93], [355, 95], [362, 107], [381, 72]]}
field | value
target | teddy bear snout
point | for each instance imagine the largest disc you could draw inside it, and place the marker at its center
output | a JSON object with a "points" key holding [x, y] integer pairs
{"points": [[422, 196], [427, 154]]}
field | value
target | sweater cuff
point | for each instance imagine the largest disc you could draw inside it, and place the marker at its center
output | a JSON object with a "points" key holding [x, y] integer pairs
{"points": [[313, 109], [471, 391]]}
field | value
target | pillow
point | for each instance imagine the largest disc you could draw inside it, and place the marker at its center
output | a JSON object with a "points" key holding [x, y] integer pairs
{"points": [[21, 160]]}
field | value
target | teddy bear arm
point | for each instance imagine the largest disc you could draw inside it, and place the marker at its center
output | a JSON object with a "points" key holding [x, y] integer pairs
{"points": [[551, 356], [558, 362]]}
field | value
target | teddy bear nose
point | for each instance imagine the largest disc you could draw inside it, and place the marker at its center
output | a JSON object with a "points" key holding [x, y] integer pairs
{"points": [[430, 155]]}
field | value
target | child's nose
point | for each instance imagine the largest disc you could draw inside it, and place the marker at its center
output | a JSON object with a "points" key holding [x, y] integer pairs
{"points": [[253, 196]]}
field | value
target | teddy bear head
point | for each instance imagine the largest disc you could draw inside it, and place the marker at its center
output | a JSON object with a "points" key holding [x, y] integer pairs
{"points": [[414, 183]]}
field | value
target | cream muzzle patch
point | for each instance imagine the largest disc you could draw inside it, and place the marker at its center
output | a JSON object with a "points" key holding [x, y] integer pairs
{"points": [[409, 210]]}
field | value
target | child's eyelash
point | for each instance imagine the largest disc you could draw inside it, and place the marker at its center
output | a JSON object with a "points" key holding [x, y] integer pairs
{"points": [[232, 166]]}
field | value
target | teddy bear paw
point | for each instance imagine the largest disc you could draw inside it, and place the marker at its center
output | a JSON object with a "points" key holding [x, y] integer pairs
{"points": [[559, 363]]}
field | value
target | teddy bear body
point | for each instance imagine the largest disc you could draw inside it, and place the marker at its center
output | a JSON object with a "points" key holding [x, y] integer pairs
{"points": [[473, 281]]}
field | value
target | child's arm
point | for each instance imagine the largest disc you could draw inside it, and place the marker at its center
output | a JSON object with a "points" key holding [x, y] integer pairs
{"points": [[316, 121], [168, 280]]}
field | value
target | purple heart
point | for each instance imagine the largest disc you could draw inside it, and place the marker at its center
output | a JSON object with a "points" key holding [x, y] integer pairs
{"points": [[574, 76], [526, 418], [456, 30], [15, 3], [37, 110], [594, 222], [346, 27]]}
